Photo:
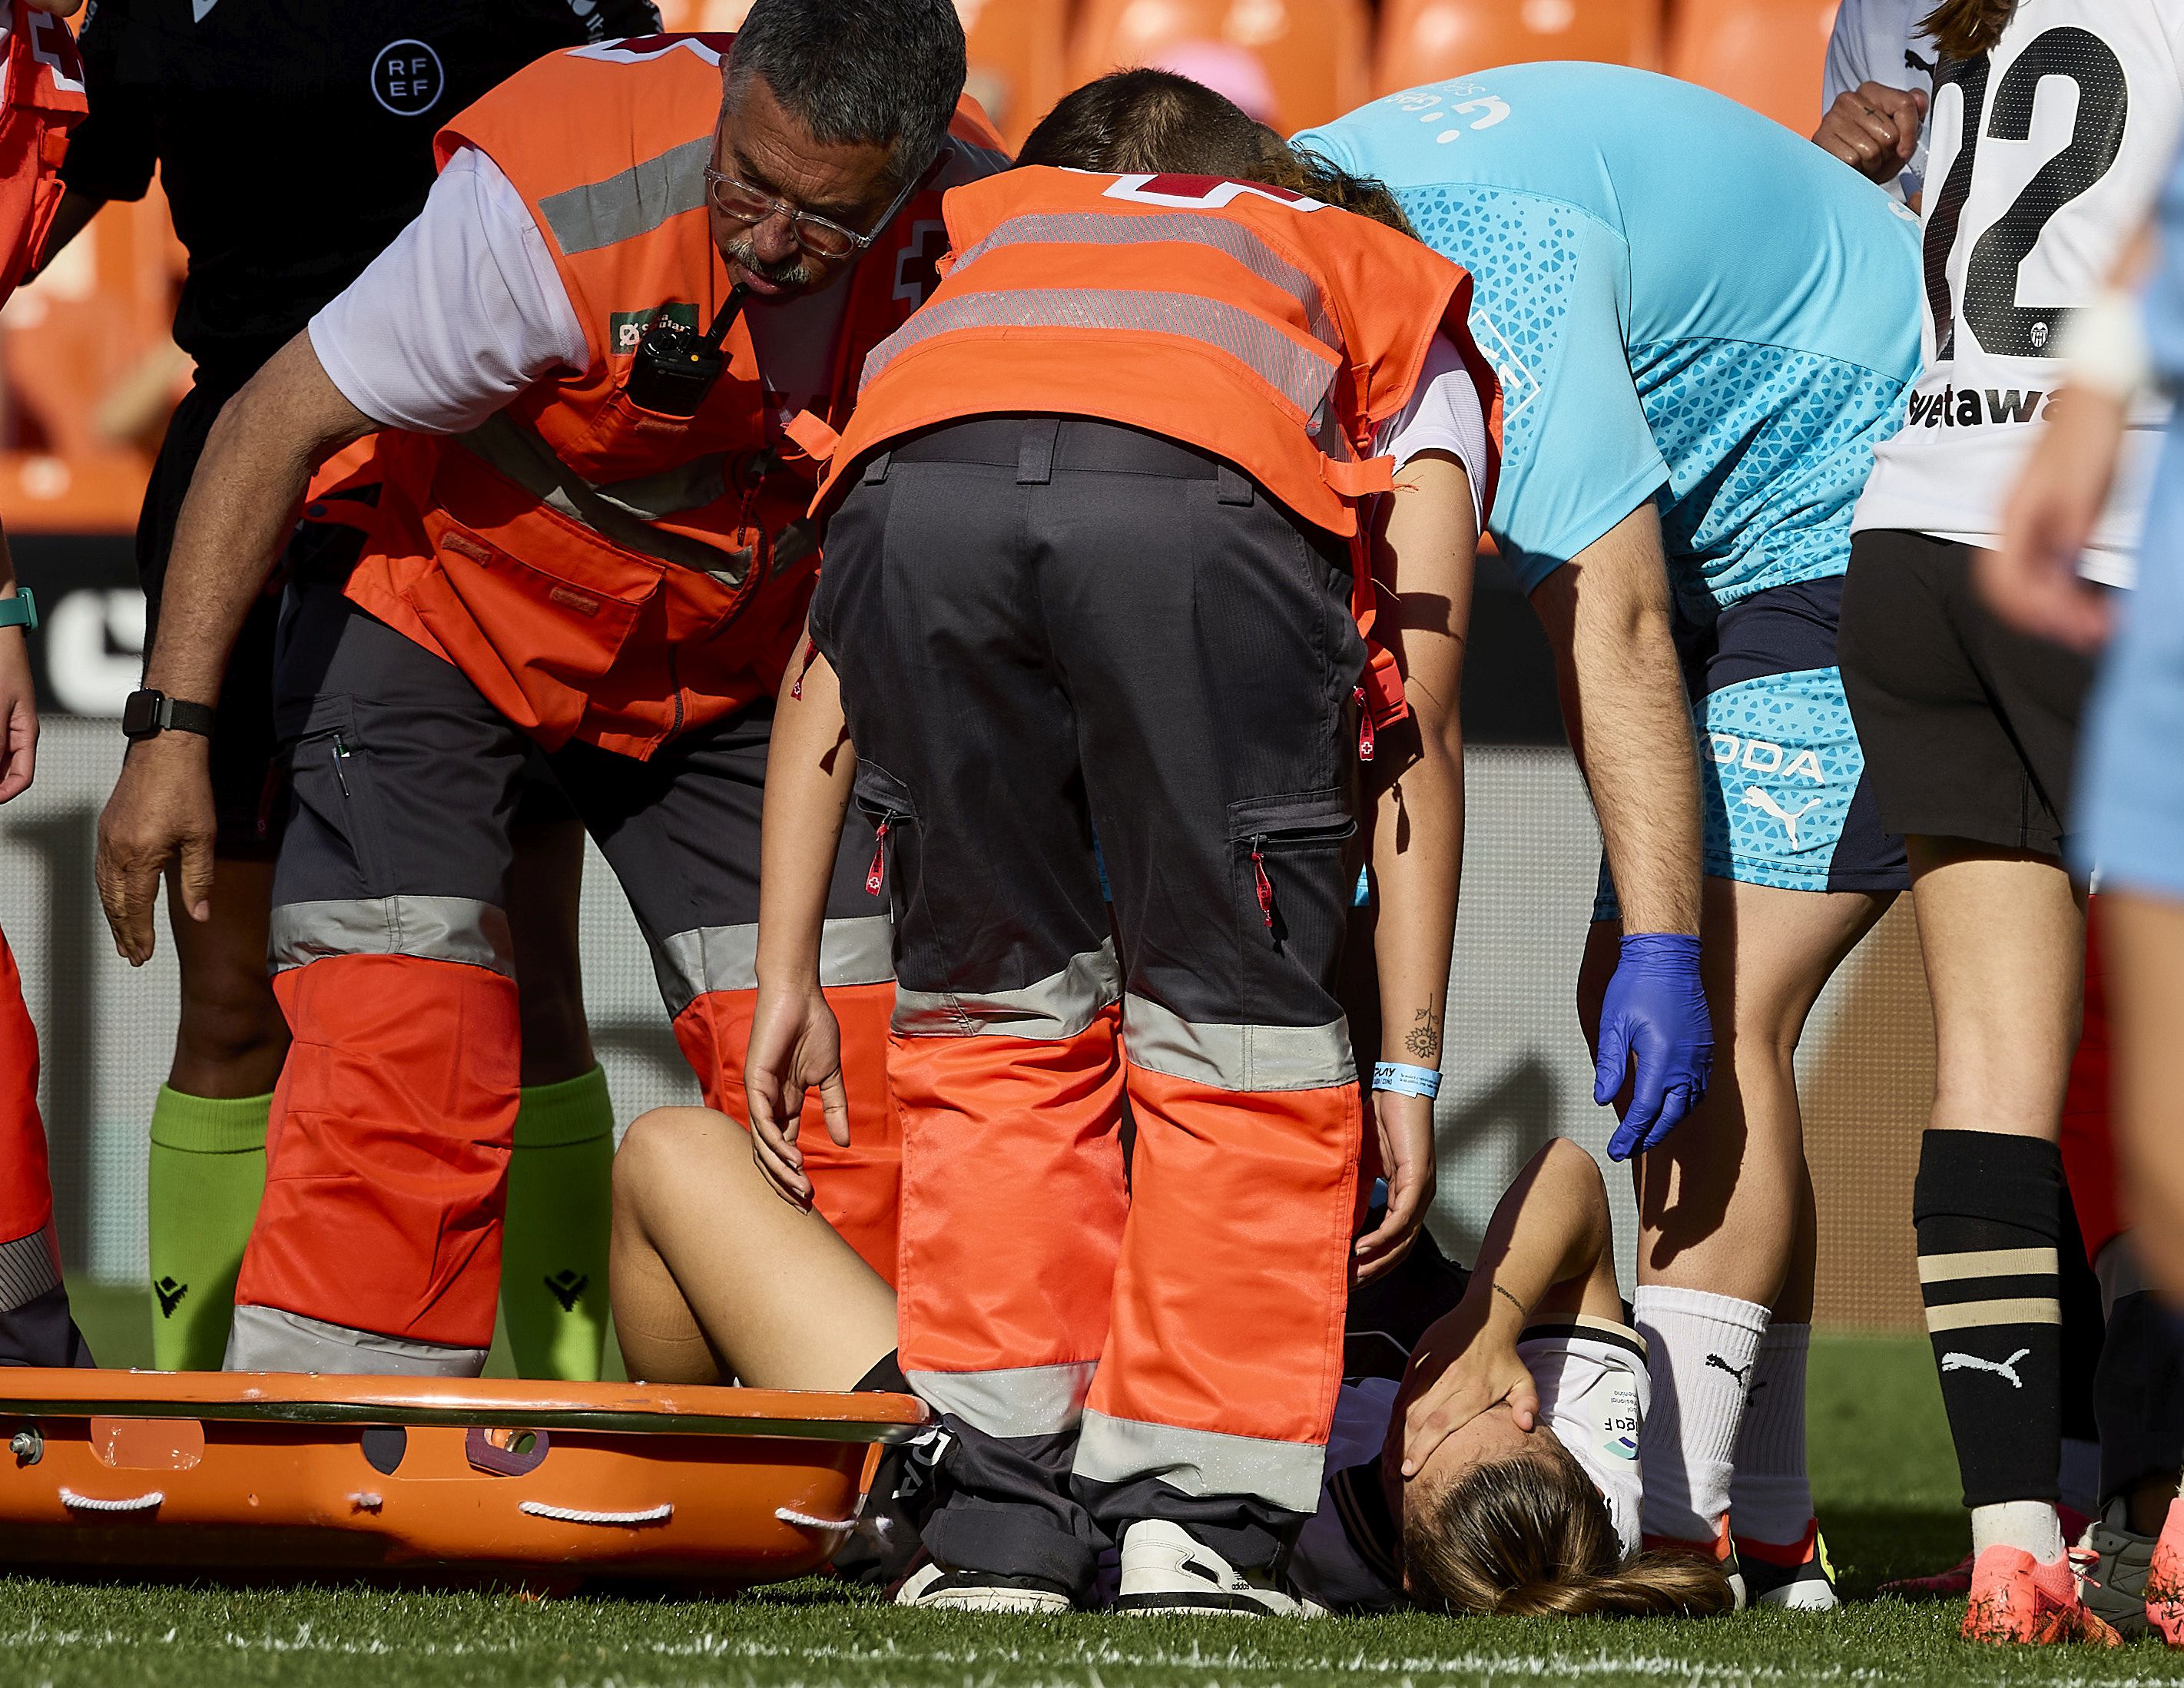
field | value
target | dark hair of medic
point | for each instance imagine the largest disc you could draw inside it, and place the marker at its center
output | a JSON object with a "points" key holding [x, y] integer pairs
{"points": [[1145, 122], [1530, 1537], [1964, 29], [879, 73]]}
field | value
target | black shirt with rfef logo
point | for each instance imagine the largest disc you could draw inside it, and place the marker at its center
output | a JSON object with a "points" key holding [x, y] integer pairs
{"points": [[294, 137]]}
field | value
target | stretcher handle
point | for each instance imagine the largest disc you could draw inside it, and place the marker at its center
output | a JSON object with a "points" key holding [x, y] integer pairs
{"points": [[541, 1509], [806, 1521], [92, 1503]]}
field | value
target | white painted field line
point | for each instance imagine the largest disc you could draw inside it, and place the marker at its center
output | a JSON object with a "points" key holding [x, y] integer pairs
{"points": [[1037, 1667]]}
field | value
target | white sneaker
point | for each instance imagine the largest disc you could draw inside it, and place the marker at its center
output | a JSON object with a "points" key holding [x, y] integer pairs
{"points": [[1165, 1570], [934, 1586]]}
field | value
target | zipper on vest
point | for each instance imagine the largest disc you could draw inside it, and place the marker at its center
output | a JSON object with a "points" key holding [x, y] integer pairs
{"points": [[341, 756], [1265, 886], [674, 681]]}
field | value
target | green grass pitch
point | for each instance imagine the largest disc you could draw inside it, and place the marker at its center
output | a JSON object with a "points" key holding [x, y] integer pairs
{"points": [[1880, 1459]]}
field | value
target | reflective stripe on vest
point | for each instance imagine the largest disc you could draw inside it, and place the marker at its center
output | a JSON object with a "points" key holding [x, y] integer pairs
{"points": [[623, 513], [1223, 235], [1302, 375], [632, 202]]}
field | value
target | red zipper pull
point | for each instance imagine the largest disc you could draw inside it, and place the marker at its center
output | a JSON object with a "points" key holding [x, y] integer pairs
{"points": [[1265, 885], [879, 861], [810, 651], [1364, 727]]}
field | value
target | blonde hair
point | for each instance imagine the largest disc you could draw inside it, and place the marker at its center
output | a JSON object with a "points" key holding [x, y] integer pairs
{"points": [[1964, 29], [1530, 1536]]}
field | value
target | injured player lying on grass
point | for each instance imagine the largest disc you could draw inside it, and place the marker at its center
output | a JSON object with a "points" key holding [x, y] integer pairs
{"points": [[1484, 1452]]}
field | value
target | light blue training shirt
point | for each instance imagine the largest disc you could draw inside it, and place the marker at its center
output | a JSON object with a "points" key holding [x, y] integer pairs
{"points": [[1685, 301]]}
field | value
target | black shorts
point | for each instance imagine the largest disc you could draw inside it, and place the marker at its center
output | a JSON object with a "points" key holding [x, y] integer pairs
{"points": [[1970, 729], [248, 801]]}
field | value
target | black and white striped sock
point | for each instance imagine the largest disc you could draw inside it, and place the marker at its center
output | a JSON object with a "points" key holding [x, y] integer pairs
{"points": [[1987, 1207]]}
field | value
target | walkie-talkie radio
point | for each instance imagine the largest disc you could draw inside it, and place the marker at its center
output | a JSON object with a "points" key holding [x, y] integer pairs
{"points": [[676, 367]]}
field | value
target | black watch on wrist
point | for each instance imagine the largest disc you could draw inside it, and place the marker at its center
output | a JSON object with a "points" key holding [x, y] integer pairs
{"points": [[148, 714]]}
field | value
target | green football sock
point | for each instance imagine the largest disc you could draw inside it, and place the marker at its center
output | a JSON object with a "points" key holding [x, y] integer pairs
{"points": [[206, 1172], [553, 1247]]}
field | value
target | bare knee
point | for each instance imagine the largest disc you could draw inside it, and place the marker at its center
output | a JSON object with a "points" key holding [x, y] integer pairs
{"points": [[659, 1153]]}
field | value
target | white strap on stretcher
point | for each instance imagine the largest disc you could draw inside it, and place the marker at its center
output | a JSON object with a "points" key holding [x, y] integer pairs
{"points": [[91, 1503], [806, 1521], [540, 1509]]}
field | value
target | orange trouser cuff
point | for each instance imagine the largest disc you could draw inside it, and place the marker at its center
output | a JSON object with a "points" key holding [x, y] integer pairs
{"points": [[26, 1190], [857, 1189], [1014, 1201], [387, 1156], [1230, 1294]]}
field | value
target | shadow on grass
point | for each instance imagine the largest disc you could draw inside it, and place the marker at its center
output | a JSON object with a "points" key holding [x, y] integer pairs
{"points": [[1873, 1544]]}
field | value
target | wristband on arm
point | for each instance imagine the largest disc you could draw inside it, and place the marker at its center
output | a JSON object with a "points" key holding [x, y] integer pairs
{"points": [[19, 611], [2106, 347], [1405, 1080]]}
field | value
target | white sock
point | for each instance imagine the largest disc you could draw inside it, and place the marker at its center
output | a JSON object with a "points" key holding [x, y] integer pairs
{"points": [[1700, 1353], [2031, 1525], [1770, 1495]]}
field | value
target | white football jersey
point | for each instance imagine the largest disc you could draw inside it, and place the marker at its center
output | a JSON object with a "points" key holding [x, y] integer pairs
{"points": [[1880, 41], [2047, 154]]}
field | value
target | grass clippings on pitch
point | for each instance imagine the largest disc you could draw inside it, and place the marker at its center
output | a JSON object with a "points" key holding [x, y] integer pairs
{"points": [[1880, 1459]]}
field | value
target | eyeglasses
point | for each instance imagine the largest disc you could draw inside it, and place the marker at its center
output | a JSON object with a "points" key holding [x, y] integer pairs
{"points": [[820, 237]]}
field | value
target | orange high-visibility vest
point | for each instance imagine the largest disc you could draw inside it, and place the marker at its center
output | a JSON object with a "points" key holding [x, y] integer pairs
{"points": [[599, 572], [1264, 327], [40, 99]]}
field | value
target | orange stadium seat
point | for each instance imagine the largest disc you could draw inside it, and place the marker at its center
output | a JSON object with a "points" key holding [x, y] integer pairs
{"points": [[1768, 55], [91, 372], [1019, 60], [1316, 52], [1425, 41]]}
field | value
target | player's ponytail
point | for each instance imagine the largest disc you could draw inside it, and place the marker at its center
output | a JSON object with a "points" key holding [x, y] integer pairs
{"points": [[1530, 1536], [1965, 28]]}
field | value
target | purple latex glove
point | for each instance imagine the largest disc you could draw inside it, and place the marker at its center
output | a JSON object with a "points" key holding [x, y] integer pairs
{"points": [[1654, 1014]]}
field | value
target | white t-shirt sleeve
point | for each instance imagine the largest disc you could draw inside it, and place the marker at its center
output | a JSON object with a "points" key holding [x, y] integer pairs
{"points": [[1594, 1395], [462, 312], [1846, 67], [1443, 416]]}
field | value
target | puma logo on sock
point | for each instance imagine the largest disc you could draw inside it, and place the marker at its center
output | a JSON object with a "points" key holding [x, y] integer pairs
{"points": [[1739, 1373], [565, 1286], [2001, 1368], [170, 1295]]}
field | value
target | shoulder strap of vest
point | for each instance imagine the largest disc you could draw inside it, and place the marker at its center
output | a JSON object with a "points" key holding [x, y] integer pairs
{"points": [[1359, 480], [811, 435]]}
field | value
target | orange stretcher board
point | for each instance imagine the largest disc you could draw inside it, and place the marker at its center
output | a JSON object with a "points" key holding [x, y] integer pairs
{"points": [[283, 1473]]}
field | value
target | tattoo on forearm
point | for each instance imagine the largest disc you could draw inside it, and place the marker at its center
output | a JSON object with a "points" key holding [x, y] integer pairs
{"points": [[1521, 1308], [1423, 1041]]}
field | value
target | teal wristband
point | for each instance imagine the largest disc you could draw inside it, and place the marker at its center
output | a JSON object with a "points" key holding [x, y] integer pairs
{"points": [[1405, 1080], [19, 611]]}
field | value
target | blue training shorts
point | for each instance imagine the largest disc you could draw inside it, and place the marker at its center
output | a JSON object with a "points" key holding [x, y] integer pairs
{"points": [[1783, 789], [2131, 821]]}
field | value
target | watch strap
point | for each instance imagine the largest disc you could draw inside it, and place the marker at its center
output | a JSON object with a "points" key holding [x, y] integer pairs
{"points": [[178, 717], [19, 611]]}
